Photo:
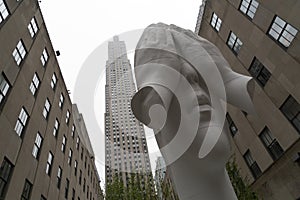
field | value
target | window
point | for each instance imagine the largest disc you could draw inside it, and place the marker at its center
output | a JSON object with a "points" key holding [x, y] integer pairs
{"points": [[83, 184], [44, 57], [70, 157], [249, 7], [49, 163], [234, 43], [34, 85], [282, 32], [81, 156], [37, 145], [73, 194], [233, 129], [26, 190], [19, 52], [259, 72], [3, 11], [73, 130], [32, 27], [75, 167], [67, 116], [47, 108], [56, 127], [80, 176], [77, 142], [61, 100], [253, 166], [4, 87], [43, 198], [67, 188], [21, 122], [5, 174], [53, 81], [63, 144], [271, 143], [291, 110], [215, 22], [58, 178]]}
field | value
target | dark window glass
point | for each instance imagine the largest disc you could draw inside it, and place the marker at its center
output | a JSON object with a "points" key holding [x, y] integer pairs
{"points": [[5, 174], [67, 188], [26, 190], [233, 129], [253, 166], [291, 110], [259, 72], [271, 144]]}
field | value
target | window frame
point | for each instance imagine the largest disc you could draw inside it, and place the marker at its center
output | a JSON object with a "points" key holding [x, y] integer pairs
{"points": [[6, 170], [234, 48], [21, 122], [19, 53], [2, 17], [26, 193], [47, 109], [248, 10], [286, 113], [262, 75], [5, 87], [53, 81], [49, 163], [253, 166], [273, 145], [37, 145], [44, 57], [34, 84], [231, 124], [280, 35], [214, 21], [33, 27]]}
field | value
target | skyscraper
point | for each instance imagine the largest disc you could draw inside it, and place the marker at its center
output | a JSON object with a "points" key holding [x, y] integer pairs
{"points": [[45, 151], [261, 39], [125, 143]]}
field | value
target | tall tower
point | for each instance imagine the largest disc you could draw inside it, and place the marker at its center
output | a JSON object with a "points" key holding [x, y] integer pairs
{"points": [[126, 147]]}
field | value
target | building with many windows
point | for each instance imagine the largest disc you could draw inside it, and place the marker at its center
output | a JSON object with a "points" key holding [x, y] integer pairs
{"points": [[125, 143], [260, 39], [45, 152]]}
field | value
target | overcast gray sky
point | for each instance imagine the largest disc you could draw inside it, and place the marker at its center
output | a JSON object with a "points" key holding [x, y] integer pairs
{"points": [[76, 28]]}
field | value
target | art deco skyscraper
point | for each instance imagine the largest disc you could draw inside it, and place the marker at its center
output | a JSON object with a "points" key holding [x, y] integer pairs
{"points": [[126, 147]]}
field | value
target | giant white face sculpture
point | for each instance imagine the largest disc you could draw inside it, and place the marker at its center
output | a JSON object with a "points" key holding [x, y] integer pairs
{"points": [[183, 86]]}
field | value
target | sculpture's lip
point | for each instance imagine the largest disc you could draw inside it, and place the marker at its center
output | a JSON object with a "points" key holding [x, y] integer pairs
{"points": [[204, 107]]}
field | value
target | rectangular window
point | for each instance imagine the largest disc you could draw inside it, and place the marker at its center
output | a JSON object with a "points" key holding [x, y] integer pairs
{"points": [[19, 52], [234, 43], [26, 190], [70, 157], [34, 85], [53, 81], [215, 22], [80, 176], [67, 188], [77, 142], [63, 144], [249, 7], [44, 57], [3, 11], [61, 100], [4, 88], [271, 143], [37, 145], [21, 122], [75, 167], [58, 178], [43, 198], [47, 108], [291, 110], [282, 32], [73, 131], [56, 127], [73, 194], [83, 184], [232, 127], [5, 174], [68, 116], [253, 166], [259, 72], [32, 27], [49, 163]]}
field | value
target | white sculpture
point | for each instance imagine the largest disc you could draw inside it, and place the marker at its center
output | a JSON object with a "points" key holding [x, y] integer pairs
{"points": [[183, 82]]}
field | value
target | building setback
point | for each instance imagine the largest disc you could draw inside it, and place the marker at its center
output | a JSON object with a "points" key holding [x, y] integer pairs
{"points": [[261, 39], [125, 143], [45, 151]]}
